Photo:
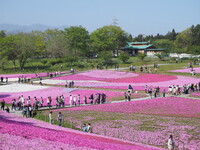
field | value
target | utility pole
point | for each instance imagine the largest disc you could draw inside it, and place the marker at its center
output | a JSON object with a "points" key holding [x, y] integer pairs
{"points": [[115, 21]]}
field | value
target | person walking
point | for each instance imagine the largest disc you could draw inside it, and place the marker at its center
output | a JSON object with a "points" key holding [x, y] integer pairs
{"points": [[3, 104], [129, 96], [74, 102], [130, 89], [164, 92], [60, 117], [13, 104], [85, 99], [70, 100], [79, 100], [50, 117]]}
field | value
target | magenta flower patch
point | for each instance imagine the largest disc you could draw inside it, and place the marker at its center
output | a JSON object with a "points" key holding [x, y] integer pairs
{"points": [[168, 106], [187, 70], [23, 131]]}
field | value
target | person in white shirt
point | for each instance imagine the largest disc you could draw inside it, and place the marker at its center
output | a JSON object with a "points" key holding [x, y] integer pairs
{"points": [[170, 143], [70, 100], [74, 102], [22, 99]]}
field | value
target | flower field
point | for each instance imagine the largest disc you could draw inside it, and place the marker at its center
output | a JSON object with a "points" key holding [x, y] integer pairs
{"points": [[121, 80], [147, 121], [19, 133], [117, 77], [168, 106], [187, 70], [97, 75], [115, 125], [196, 94]]}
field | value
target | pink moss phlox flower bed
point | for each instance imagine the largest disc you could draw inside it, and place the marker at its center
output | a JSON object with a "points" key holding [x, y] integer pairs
{"points": [[23, 130], [75, 77], [168, 106], [117, 77], [108, 74], [57, 91], [187, 70], [144, 78], [196, 94], [31, 75], [180, 80], [97, 75]]}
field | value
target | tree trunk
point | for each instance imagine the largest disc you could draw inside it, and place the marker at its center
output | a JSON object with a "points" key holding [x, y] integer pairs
{"points": [[14, 63]]}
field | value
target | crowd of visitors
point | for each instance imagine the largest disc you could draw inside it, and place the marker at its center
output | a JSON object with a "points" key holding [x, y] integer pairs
{"points": [[154, 92], [186, 89], [2, 80], [23, 79], [27, 105], [69, 84], [172, 90], [144, 68]]}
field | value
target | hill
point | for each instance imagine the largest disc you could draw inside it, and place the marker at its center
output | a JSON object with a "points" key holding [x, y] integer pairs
{"points": [[13, 28]]}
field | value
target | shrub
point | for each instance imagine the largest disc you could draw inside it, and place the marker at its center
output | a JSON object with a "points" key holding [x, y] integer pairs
{"points": [[124, 57], [55, 61]]}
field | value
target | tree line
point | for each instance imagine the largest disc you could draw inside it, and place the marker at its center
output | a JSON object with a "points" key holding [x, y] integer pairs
{"points": [[76, 42], [187, 41]]}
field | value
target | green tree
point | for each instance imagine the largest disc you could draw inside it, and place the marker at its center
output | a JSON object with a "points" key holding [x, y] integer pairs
{"points": [[108, 38], [39, 46], [2, 34], [124, 57], [195, 40], [105, 57], [141, 56], [9, 48], [57, 46], [183, 40], [164, 43], [3, 56], [26, 47], [139, 38], [78, 39], [161, 55], [171, 35], [194, 49]]}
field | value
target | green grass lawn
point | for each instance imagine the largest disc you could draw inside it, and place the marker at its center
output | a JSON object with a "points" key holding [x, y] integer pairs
{"points": [[52, 65]]}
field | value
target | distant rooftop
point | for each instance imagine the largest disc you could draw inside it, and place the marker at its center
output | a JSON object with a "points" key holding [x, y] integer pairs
{"points": [[138, 43]]}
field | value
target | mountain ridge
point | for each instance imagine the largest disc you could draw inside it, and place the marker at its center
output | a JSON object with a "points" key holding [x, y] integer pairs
{"points": [[14, 28]]}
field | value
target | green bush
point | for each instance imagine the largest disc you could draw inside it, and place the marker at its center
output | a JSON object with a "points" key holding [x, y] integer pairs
{"points": [[71, 58], [44, 61], [124, 57], [55, 61]]}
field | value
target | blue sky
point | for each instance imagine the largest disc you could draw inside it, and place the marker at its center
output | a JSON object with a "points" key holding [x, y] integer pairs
{"points": [[134, 16]]}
